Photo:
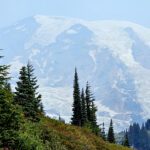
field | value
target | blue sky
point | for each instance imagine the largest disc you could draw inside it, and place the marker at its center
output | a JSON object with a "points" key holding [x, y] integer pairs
{"points": [[137, 11]]}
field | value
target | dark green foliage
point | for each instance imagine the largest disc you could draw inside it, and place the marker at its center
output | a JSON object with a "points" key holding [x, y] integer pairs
{"points": [[10, 115], [111, 136], [139, 137], [93, 114], [126, 140], [8, 87], [38, 136], [35, 97], [10, 120], [21, 95], [134, 134], [147, 124], [26, 94], [83, 109], [77, 115], [88, 102], [50, 134], [3, 74], [103, 135], [91, 110], [36, 132]]}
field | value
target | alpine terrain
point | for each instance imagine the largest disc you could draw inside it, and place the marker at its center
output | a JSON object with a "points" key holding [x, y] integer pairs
{"points": [[114, 56]]}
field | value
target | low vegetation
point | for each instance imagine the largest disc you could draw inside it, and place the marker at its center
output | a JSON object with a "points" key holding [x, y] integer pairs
{"points": [[50, 134]]}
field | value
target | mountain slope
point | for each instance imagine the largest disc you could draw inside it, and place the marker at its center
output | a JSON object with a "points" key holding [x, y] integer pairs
{"points": [[65, 137], [113, 56]]}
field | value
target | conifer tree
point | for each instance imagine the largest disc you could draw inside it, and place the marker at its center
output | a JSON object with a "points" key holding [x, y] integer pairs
{"points": [[95, 127], [10, 116], [33, 87], [111, 136], [91, 110], [93, 114], [103, 135], [26, 94], [126, 140], [147, 124], [21, 95], [3, 74], [88, 101], [83, 109], [77, 115], [139, 136]]}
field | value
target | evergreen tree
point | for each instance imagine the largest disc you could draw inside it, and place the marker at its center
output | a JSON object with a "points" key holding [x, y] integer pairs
{"points": [[111, 136], [21, 95], [103, 135], [83, 109], [91, 110], [95, 127], [33, 87], [8, 87], [26, 94], [147, 124], [93, 114], [126, 140], [88, 102], [10, 116], [77, 115], [144, 138], [136, 134], [139, 136], [3, 74]]}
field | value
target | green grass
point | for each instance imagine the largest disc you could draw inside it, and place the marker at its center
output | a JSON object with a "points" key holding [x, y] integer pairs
{"points": [[59, 136]]}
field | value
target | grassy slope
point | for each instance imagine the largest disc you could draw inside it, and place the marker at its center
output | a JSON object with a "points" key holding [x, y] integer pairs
{"points": [[74, 138]]}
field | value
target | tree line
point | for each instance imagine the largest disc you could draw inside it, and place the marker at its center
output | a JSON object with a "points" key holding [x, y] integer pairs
{"points": [[139, 136], [84, 112], [14, 107], [84, 109], [26, 104]]}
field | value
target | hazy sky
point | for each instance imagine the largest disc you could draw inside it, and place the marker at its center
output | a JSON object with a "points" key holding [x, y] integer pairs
{"points": [[137, 11]]}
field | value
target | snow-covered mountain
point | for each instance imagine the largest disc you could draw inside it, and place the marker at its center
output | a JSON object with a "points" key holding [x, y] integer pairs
{"points": [[114, 56]]}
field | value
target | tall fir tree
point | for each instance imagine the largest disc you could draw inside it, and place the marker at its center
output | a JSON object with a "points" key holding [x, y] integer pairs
{"points": [[111, 136], [88, 98], [10, 115], [95, 127], [21, 95], [26, 94], [93, 113], [36, 97], [83, 109], [77, 115], [91, 110]]}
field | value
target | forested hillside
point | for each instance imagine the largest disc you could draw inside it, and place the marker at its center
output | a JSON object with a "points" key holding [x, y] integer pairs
{"points": [[24, 125], [139, 136]]}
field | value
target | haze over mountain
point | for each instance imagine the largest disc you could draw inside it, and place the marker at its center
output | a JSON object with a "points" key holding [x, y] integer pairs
{"points": [[114, 56]]}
